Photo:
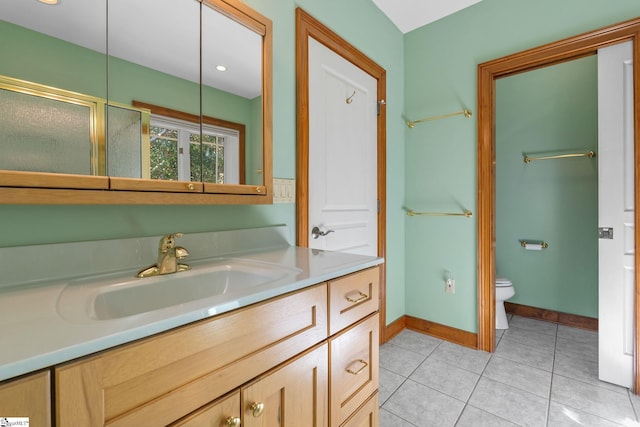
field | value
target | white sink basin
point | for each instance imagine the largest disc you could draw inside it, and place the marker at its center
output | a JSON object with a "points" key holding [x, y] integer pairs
{"points": [[118, 295]]}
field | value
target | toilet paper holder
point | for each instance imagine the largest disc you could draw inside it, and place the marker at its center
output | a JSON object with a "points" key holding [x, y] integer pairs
{"points": [[534, 245]]}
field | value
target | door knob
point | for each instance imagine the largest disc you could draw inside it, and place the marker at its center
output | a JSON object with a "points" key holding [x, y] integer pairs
{"points": [[315, 232]]}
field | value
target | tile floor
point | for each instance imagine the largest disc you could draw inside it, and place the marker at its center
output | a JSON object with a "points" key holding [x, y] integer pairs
{"points": [[541, 374]]}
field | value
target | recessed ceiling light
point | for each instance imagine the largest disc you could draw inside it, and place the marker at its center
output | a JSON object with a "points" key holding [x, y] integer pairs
{"points": [[49, 1], [221, 68]]}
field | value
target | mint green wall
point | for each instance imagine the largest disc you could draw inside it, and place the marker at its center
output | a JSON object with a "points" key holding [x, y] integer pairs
{"points": [[440, 157], [364, 26], [552, 110], [45, 60]]}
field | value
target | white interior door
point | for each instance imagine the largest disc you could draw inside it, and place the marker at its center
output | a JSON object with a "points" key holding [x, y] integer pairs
{"points": [[343, 200], [616, 213]]}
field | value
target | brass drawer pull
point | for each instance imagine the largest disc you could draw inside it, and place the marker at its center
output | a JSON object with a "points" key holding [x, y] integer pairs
{"points": [[232, 422], [361, 297], [362, 368], [256, 409]]}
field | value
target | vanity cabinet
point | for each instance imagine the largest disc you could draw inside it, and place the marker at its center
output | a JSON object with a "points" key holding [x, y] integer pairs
{"points": [[28, 397], [160, 379], [271, 363]]}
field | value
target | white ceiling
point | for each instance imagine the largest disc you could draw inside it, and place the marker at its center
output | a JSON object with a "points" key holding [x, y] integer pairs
{"points": [[408, 15], [160, 34]]}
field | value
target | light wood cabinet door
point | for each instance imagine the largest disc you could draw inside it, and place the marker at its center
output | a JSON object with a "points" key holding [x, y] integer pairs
{"points": [[294, 395], [224, 412], [366, 416], [28, 397], [352, 298], [353, 368]]}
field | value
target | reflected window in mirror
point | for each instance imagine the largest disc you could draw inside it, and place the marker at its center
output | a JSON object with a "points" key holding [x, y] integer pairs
{"points": [[176, 151]]}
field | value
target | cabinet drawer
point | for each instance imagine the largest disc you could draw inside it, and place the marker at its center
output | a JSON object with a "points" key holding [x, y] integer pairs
{"points": [[28, 397], [161, 379], [353, 297], [354, 368], [221, 413], [366, 416]]}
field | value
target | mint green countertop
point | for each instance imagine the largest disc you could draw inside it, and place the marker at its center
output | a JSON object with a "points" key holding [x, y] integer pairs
{"points": [[34, 334]]}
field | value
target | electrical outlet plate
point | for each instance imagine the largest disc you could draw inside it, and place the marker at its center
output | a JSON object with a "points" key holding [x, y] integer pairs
{"points": [[450, 286]]}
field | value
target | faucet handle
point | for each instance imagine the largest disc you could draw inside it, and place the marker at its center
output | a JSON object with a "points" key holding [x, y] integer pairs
{"points": [[168, 242], [181, 252]]}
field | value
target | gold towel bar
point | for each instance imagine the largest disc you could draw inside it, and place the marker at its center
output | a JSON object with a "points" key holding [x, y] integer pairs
{"points": [[468, 214], [589, 154], [412, 124]]}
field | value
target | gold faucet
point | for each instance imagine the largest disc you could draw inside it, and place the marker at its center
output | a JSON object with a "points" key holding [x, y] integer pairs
{"points": [[168, 256]]}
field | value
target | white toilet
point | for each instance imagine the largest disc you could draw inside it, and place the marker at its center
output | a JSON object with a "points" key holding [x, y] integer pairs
{"points": [[504, 291]]}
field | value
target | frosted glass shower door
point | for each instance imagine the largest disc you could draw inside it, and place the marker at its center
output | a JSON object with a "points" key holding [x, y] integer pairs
{"points": [[42, 134]]}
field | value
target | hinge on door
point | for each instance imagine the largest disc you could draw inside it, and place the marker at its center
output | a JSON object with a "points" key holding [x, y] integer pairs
{"points": [[378, 201], [381, 102]]}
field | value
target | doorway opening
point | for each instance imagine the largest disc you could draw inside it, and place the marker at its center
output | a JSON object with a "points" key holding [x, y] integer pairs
{"points": [[561, 51]]}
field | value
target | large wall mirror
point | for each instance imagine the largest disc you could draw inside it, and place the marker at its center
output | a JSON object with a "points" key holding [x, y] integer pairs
{"points": [[140, 97]]}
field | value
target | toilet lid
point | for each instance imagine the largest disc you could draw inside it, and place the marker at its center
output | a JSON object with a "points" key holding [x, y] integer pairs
{"points": [[502, 281]]}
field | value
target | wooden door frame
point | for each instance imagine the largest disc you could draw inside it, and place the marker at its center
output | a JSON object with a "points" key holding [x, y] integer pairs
{"points": [[564, 50], [307, 26]]}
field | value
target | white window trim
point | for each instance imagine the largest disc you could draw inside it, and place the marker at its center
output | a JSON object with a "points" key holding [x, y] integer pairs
{"points": [[231, 142]]}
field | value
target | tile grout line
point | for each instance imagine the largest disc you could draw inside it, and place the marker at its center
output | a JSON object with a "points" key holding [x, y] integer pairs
{"points": [[407, 378], [553, 367], [633, 407], [466, 403]]}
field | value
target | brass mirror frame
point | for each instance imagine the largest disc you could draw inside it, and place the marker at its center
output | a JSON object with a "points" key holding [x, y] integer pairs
{"points": [[549, 54], [18, 187]]}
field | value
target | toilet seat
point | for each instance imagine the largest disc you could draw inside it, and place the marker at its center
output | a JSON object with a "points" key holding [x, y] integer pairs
{"points": [[502, 282]]}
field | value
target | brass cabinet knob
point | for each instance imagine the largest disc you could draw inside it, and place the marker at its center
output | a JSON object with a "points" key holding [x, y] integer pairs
{"points": [[190, 186], [256, 409], [232, 422], [258, 190]]}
